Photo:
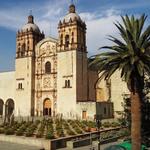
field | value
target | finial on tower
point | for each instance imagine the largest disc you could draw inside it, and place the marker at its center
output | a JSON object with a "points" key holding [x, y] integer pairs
{"points": [[72, 8], [30, 17]]}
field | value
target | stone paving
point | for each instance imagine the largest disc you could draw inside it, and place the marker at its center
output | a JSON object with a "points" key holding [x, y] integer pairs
{"points": [[14, 146]]}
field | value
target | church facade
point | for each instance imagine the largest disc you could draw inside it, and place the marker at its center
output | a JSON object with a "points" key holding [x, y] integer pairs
{"points": [[51, 75]]}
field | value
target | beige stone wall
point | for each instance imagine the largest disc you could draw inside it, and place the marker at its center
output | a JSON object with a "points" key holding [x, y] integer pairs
{"points": [[88, 107], [66, 70], [118, 88], [7, 87], [24, 96], [102, 90]]}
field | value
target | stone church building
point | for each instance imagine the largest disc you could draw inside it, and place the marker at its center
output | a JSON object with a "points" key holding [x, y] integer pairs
{"points": [[52, 77]]}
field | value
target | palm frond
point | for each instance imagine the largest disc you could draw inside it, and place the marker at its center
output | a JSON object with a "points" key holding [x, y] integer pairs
{"points": [[131, 54]]}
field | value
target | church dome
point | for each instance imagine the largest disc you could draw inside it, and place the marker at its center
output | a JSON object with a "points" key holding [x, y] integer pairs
{"points": [[30, 25], [72, 14]]}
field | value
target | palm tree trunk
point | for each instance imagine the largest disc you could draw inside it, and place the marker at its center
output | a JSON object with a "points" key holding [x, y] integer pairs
{"points": [[135, 121]]}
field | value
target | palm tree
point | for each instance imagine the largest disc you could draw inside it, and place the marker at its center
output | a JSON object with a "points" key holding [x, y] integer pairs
{"points": [[130, 55]]}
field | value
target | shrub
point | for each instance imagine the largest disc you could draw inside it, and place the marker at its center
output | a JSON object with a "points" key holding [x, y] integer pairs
{"points": [[29, 132], [20, 132], [60, 133], [9, 131], [1, 130], [39, 134], [49, 135], [106, 124], [70, 132], [78, 130], [115, 124]]}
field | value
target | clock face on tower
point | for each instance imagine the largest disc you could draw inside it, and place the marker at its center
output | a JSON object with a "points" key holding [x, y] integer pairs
{"points": [[47, 82]]}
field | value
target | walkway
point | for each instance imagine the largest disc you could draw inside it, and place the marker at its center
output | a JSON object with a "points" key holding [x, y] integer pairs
{"points": [[13, 146]]}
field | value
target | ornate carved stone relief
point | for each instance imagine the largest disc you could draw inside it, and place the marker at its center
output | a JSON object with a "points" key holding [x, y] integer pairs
{"points": [[47, 82]]}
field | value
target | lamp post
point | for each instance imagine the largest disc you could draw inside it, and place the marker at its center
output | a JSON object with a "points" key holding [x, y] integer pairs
{"points": [[98, 124]]}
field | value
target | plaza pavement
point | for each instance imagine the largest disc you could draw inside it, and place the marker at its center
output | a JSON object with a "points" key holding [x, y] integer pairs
{"points": [[14, 146]]}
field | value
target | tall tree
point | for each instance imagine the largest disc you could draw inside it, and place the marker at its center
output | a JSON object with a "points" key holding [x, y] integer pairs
{"points": [[130, 55]]}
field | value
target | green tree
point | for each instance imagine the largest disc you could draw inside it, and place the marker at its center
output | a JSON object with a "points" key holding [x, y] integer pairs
{"points": [[130, 55]]}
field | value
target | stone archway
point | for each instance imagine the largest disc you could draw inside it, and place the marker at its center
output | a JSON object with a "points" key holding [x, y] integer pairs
{"points": [[1, 107], [9, 107], [47, 107]]}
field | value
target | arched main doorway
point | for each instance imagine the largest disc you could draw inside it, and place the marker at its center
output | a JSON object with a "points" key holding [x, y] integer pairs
{"points": [[9, 107], [1, 107], [47, 107]]}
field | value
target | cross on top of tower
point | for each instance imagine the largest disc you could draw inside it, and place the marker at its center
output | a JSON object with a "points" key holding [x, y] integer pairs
{"points": [[30, 13], [30, 17]]}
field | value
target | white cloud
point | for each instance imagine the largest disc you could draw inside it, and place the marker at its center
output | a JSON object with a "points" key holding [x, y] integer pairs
{"points": [[87, 16], [10, 19], [13, 18], [99, 28], [99, 24]]}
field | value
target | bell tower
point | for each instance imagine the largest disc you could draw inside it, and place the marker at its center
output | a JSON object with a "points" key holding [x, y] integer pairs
{"points": [[72, 32], [26, 40], [72, 62]]}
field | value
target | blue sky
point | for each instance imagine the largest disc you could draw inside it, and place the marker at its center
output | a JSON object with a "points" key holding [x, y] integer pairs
{"points": [[99, 16]]}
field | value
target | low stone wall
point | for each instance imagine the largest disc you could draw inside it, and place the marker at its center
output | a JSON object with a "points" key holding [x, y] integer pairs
{"points": [[78, 143], [56, 143], [41, 143]]}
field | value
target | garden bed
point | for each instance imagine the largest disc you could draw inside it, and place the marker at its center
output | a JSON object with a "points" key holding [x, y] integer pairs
{"points": [[52, 128]]}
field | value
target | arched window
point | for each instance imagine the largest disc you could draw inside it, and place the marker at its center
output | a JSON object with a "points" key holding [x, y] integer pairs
{"points": [[20, 86], [67, 40], [23, 49], [72, 37], [9, 107], [47, 107], [105, 111], [1, 107], [61, 39], [48, 67], [68, 83]]}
